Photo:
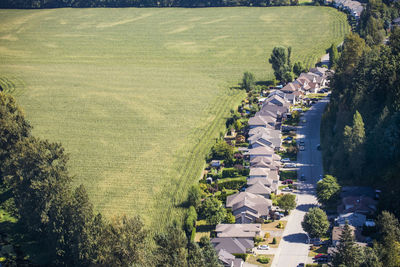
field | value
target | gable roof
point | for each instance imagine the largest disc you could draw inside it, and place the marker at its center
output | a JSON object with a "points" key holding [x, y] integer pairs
{"points": [[249, 200], [291, 87], [232, 245], [262, 120], [225, 257], [259, 171], [354, 219], [262, 150], [238, 230], [259, 188], [265, 181], [337, 232]]}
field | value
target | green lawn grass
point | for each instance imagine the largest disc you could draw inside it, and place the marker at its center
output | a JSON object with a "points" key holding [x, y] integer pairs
{"points": [[138, 96]]}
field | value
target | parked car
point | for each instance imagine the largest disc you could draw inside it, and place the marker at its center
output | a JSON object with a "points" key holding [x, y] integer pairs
{"points": [[318, 147], [302, 148], [289, 138], [287, 189], [301, 142], [320, 255], [302, 177], [289, 165], [285, 160], [287, 181], [263, 247]]}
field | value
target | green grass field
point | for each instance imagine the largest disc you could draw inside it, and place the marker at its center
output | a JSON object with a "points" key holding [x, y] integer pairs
{"points": [[137, 96]]}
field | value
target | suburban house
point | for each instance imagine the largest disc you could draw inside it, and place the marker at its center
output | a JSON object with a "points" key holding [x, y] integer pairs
{"points": [[262, 151], [259, 173], [290, 88], [354, 219], [280, 111], [228, 260], [261, 130], [267, 182], [232, 244], [359, 204], [248, 207], [277, 100], [271, 139], [322, 72], [259, 188], [264, 162], [262, 121], [238, 230]]}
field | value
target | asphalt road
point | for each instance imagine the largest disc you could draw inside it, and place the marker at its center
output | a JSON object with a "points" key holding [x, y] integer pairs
{"points": [[293, 248]]}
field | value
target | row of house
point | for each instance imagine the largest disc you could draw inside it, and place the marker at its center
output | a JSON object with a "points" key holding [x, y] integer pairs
{"points": [[355, 8], [253, 205]]}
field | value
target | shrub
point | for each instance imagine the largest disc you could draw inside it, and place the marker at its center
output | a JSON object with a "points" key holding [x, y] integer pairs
{"points": [[267, 235], [263, 260], [244, 172], [280, 225], [193, 234], [274, 241], [258, 239], [243, 256], [190, 219], [229, 172], [232, 183]]}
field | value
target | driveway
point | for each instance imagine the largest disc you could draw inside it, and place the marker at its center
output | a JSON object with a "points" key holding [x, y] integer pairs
{"points": [[293, 248]]}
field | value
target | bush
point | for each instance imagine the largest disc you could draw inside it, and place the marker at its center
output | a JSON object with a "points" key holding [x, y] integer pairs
{"points": [[263, 260], [258, 239], [280, 225], [229, 172], [267, 235], [243, 256], [193, 234], [190, 219], [274, 241], [232, 183], [244, 171]]}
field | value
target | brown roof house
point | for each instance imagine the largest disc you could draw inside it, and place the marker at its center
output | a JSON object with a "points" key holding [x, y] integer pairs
{"points": [[238, 230], [232, 244], [259, 188], [248, 207], [359, 204], [262, 121]]}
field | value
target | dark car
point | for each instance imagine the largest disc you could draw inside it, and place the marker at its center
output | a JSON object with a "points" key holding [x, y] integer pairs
{"points": [[287, 181], [302, 177]]}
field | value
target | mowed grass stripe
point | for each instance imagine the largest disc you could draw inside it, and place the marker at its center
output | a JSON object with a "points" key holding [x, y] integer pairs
{"points": [[138, 96]]}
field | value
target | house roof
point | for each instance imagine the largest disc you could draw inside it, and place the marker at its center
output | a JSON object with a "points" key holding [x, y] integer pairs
{"points": [[259, 188], [259, 171], [277, 100], [262, 120], [246, 199], [232, 245], [276, 92], [348, 191], [265, 181], [264, 162], [262, 150], [354, 219], [274, 108], [225, 257], [291, 87], [361, 204], [319, 70], [238, 230]]}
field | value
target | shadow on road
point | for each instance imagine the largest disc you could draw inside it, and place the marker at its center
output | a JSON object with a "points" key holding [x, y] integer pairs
{"points": [[305, 207], [296, 238]]}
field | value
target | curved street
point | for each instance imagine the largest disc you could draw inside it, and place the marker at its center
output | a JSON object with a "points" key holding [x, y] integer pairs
{"points": [[293, 248]]}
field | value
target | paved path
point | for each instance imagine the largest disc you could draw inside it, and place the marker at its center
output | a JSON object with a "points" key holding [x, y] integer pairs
{"points": [[293, 248]]}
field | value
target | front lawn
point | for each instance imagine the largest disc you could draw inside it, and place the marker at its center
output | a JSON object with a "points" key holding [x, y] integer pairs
{"points": [[252, 259], [292, 175], [318, 250], [202, 229]]}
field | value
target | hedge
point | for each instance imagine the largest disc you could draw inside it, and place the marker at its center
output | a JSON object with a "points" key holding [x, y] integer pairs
{"points": [[243, 256], [232, 183], [229, 172], [193, 234], [263, 260]]}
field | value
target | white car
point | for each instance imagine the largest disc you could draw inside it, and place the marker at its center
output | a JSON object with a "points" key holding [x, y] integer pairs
{"points": [[264, 247], [289, 165], [285, 160], [301, 148]]}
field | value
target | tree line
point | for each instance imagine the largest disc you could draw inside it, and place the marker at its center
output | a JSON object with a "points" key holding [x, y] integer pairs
{"points": [[141, 3], [59, 222]]}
